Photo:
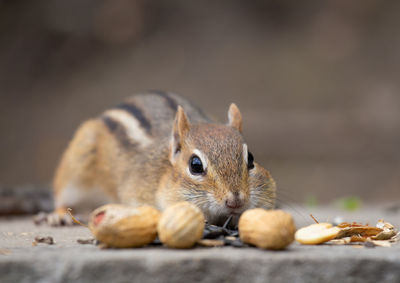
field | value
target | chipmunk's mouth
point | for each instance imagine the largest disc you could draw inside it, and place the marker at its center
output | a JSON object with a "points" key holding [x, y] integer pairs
{"points": [[221, 218], [235, 212], [217, 213]]}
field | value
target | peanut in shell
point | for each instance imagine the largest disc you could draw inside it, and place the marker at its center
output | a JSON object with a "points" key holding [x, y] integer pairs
{"points": [[181, 225], [122, 226], [267, 229]]}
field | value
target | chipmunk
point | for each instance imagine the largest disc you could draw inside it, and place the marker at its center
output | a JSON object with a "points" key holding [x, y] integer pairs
{"points": [[158, 149]]}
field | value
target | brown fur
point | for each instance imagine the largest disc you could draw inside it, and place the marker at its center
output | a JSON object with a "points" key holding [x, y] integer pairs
{"points": [[102, 161]]}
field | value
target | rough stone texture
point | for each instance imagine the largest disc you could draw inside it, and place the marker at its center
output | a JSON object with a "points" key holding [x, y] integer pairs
{"points": [[68, 261]]}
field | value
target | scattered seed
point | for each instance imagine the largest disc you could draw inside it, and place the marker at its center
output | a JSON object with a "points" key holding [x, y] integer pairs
{"points": [[213, 231], [234, 233], [230, 238], [227, 221], [86, 241], [211, 243], [212, 234], [239, 244], [45, 240]]}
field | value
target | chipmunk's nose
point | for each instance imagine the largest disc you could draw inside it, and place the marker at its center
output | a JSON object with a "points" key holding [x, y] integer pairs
{"points": [[233, 201]]}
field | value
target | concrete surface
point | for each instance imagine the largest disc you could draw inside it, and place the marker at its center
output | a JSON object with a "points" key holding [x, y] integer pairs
{"points": [[68, 261]]}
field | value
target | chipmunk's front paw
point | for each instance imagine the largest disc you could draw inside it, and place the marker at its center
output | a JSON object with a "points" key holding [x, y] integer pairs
{"points": [[55, 218]]}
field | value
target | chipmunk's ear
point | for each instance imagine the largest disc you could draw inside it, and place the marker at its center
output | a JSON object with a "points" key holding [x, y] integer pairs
{"points": [[179, 130], [235, 118]]}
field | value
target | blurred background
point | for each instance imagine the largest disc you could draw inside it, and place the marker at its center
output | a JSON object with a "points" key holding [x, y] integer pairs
{"points": [[317, 82]]}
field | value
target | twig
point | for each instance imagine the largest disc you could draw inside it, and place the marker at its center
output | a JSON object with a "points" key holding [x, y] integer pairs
{"points": [[316, 221], [69, 210]]}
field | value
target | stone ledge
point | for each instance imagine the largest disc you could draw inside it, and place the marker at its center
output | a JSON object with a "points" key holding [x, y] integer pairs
{"points": [[68, 261], [298, 264]]}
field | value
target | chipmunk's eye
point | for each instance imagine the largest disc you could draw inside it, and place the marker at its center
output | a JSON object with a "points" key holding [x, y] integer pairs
{"points": [[250, 161], [195, 165]]}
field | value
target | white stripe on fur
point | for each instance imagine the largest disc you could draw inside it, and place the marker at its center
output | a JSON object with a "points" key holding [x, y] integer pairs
{"points": [[132, 127]]}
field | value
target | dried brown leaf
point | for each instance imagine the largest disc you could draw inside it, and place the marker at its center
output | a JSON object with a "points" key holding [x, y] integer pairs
{"points": [[347, 224], [364, 231], [385, 235], [357, 238], [396, 238]]}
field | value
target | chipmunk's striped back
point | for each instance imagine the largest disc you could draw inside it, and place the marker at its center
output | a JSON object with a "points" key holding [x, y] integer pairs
{"points": [[144, 118]]}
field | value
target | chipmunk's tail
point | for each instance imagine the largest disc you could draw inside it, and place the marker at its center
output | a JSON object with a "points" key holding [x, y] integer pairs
{"points": [[27, 199]]}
